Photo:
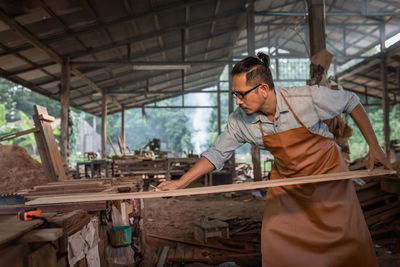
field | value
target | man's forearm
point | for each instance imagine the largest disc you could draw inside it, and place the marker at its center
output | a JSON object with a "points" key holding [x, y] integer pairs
{"points": [[360, 117], [202, 167]]}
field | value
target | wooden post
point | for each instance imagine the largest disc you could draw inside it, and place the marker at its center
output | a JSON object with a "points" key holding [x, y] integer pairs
{"points": [[231, 99], [64, 96], [104, 125], [219, 108], [250, 31], [123, 123], [230, 110], [255, 152], [385, 93], [316, 23]]}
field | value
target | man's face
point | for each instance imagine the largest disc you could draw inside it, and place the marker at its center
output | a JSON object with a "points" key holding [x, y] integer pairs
{"points": [[251, 102]]}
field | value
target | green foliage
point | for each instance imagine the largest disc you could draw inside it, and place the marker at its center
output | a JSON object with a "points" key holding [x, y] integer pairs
{"points": [[29, 139], [2, 115], [168, 125], [17, 98], [76, 117], [358, 145]]}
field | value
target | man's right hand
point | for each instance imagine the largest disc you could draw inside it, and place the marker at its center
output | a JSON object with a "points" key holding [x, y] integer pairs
{"points": [[169, 185]]}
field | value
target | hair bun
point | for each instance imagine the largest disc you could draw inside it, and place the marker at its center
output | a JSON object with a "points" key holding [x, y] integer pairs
{"points": [[264, 58]]}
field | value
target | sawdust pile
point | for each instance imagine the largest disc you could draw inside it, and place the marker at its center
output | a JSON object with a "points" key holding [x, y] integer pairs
{"points": [[19, 170]]}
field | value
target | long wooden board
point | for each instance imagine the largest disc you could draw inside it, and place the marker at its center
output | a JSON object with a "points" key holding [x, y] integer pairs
{"points": [[214, 189]]}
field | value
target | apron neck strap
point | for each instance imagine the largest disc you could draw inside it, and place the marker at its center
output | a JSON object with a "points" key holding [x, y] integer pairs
{"points": [[261, 129], [294, 114]]}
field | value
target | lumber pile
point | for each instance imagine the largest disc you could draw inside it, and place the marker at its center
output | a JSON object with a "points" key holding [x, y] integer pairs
{"points": [[380, 202], [131, 165], [244, 173], [242, 247]]}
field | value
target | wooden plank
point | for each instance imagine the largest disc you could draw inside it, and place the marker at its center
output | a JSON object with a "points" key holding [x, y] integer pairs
{"points": [[215, 189], [180, 251], [112, 145], [42, 235], [163, 257], [44, 256], [199, 244], [64, 207], [13, 255], [48, 149], [121, 144], [11, 228]]}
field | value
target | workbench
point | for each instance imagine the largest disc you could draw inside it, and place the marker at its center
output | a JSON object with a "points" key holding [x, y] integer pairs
{"points": [[92, 164]]}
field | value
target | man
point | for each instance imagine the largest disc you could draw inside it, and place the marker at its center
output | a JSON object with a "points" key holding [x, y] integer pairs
{"points": [[305, 225]]}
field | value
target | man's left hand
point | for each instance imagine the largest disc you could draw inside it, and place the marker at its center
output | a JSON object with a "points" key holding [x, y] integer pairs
{"points": [[376, 154]]}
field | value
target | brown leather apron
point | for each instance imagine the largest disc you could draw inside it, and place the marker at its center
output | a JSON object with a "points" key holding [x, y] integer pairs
{"points": [[317, 224]]}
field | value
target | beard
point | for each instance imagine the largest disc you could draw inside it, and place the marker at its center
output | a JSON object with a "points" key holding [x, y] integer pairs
{"points": [[247, 110]]}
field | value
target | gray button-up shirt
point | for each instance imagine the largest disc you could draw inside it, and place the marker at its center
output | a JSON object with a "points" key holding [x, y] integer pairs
{"points": [[312, 104]]}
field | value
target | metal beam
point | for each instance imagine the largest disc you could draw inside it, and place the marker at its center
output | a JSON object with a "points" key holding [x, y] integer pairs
{"points": [[149, 54], [154, 34], [329, 14]]}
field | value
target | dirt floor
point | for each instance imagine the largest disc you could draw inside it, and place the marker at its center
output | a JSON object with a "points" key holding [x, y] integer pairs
{"points": [[18, 170], [174, 217]]}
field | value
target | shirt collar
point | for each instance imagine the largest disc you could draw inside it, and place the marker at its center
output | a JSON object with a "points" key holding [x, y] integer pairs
{"points": [[281, 107]]}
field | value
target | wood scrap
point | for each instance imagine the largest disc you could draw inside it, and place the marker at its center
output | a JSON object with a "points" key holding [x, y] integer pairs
{"points": [[232, 244], [163, 256], [112, 145], [217, 189], [121, 145], [199, 244]]}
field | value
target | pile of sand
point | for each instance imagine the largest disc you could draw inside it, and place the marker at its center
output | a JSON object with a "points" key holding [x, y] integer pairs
{"points": [[18, 170]]}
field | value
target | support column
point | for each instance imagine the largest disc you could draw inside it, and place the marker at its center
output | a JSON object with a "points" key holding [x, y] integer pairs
{"points": [[64, 96], [255, 152], [104, 125], [219, 108], [385, 103], [316, 23], [250, 31], [123, 124], [230, 96], [230, 110], [385, 93]]}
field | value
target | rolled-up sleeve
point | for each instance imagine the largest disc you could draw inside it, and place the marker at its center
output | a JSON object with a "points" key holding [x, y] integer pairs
{"points": [[330, 103], [225, 144]]}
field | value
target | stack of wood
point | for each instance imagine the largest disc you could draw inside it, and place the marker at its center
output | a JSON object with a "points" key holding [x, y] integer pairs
{"points": [[68, 187], [131, 165], [244, 173], [380, 202], [242, 247]]}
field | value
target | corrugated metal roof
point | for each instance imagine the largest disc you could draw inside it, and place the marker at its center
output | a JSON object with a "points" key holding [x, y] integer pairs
{"points": [[139, 51]]}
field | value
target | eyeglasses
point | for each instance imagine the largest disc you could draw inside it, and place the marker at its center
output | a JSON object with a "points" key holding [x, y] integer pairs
{"points": [[241, 95]]}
